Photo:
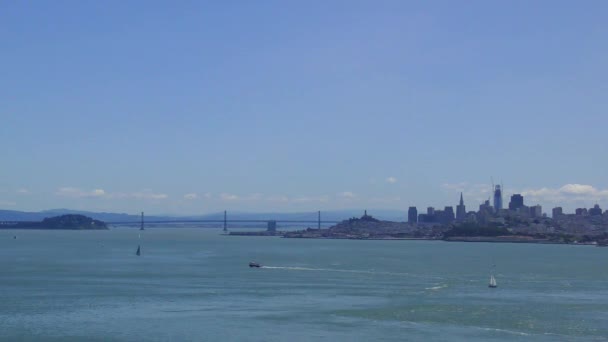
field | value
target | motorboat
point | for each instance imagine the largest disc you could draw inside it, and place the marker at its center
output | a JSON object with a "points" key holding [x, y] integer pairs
{"points": [[254, 264]]}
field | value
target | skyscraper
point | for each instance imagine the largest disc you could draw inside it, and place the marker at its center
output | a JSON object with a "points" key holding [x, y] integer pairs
{"points": [[412, 215], [557, 212], [536, 211], [448, 214], [497, 198], [461, 211], [517, 201], [596, 210]]}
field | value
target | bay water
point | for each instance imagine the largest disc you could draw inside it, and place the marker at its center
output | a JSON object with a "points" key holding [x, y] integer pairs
{"points": [[196, 285]]}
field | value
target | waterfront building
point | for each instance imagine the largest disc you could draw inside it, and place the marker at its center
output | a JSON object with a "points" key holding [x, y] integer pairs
{"points": [[448, 214], [412, 215], [595, 211], [461, 211], [557, 212], [536, 211], [517, 201], [272, 226], [430, 211], [497, 198], [581, 212]]}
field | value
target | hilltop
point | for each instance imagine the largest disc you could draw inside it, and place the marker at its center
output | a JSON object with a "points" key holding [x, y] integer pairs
{"points": [[364, 227]]}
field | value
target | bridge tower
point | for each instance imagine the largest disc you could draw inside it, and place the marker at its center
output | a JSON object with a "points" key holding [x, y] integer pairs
{"points": [[225, 222], [319, 220]]}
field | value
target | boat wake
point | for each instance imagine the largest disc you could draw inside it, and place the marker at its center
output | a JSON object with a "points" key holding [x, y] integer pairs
{"points": [[439, 287], [296, 268], [521, 333]]}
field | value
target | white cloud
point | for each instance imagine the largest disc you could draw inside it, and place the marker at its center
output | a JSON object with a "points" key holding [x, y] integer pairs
{"points": [[228, 197], [578, 189], [311, 199], [148, 195], [191, 196], [23, 191], [278, 198], [208, 195], [255, 197], [385, 199], [7, 203], [391, 180], [98, 192], [455, 186], [347, 195], [567, 194], [72, 192], [140, 195]]}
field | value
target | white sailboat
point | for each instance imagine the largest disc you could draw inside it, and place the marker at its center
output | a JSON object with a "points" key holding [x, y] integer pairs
{"points": [[492, 283]]}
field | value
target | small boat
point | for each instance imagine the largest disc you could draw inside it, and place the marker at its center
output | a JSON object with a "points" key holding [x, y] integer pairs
{"points": [[138, 253], [254, 264], [492, 283]]}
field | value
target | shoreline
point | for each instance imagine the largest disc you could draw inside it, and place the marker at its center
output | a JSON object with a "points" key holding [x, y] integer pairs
{"points": [[354, 238], [456, 239]]}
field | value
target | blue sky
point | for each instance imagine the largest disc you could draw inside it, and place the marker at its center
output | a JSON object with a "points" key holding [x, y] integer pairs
{"points": [[195, 106]]}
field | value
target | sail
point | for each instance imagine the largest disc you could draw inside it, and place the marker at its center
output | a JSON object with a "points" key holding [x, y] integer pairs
{"points": [[138, 250], [492, 281]]}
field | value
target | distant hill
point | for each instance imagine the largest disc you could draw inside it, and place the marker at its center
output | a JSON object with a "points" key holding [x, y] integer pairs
{"points": [[69, 221], [334, 215]]}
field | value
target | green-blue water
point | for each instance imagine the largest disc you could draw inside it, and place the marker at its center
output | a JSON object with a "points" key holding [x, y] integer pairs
{"points": [[195, 285]]}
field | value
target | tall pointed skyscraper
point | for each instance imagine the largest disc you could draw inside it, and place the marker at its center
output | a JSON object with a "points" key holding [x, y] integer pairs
{"points": [[461, 211], [497, 199]]}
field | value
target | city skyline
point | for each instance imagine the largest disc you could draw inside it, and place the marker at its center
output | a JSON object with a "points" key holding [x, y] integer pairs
{"points": [[194, 107], [569, 198]]}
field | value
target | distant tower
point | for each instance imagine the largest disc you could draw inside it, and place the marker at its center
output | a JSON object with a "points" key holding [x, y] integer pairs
{"points": [[448, 214], [595, 211], [142, 221], [497, 198], [319, 220], [225, 222], [517, 202], [461, 211], [412, 215], [557, 212]]}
